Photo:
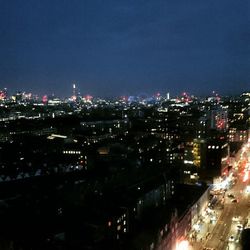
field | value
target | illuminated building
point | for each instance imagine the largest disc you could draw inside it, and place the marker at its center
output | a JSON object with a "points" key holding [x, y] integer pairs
{"points": [[45, 99], [218, 156], [181, 222], [18, 97], [3, 94], [237, 135], [211, 157], [199, 151], [219, 119]]}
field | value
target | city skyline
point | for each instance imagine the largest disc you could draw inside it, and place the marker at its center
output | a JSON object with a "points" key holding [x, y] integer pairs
{"points": [[112, 48], [75, 92]]}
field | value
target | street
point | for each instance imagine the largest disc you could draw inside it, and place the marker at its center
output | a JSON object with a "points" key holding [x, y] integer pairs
{"points": [[232, 212]]}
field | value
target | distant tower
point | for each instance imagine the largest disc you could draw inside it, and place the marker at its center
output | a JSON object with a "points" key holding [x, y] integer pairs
{"points": [[74, 91], [168, 96]]}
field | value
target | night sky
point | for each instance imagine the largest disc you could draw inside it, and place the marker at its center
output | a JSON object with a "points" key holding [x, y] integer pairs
{"points": [[129, 47]]}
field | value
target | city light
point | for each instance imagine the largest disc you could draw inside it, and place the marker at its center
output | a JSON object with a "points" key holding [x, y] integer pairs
{"points": [[112, 132], [246, 176], [196, 227], [183, 245], [44, 99], [222, 184]]}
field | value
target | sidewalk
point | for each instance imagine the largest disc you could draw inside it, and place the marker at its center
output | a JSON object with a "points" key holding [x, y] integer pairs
{"points": [[198, 237]]}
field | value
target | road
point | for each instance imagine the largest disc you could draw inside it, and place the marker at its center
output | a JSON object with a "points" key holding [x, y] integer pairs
{"points": [[226, 227]]}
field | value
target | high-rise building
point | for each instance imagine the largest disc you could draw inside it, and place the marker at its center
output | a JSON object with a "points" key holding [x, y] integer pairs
{"points": [[74, 91], [3, 94], [219, 119]]}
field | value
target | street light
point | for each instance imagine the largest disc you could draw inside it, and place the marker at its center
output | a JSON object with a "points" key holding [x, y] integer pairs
{"points": [[183, 245]]}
